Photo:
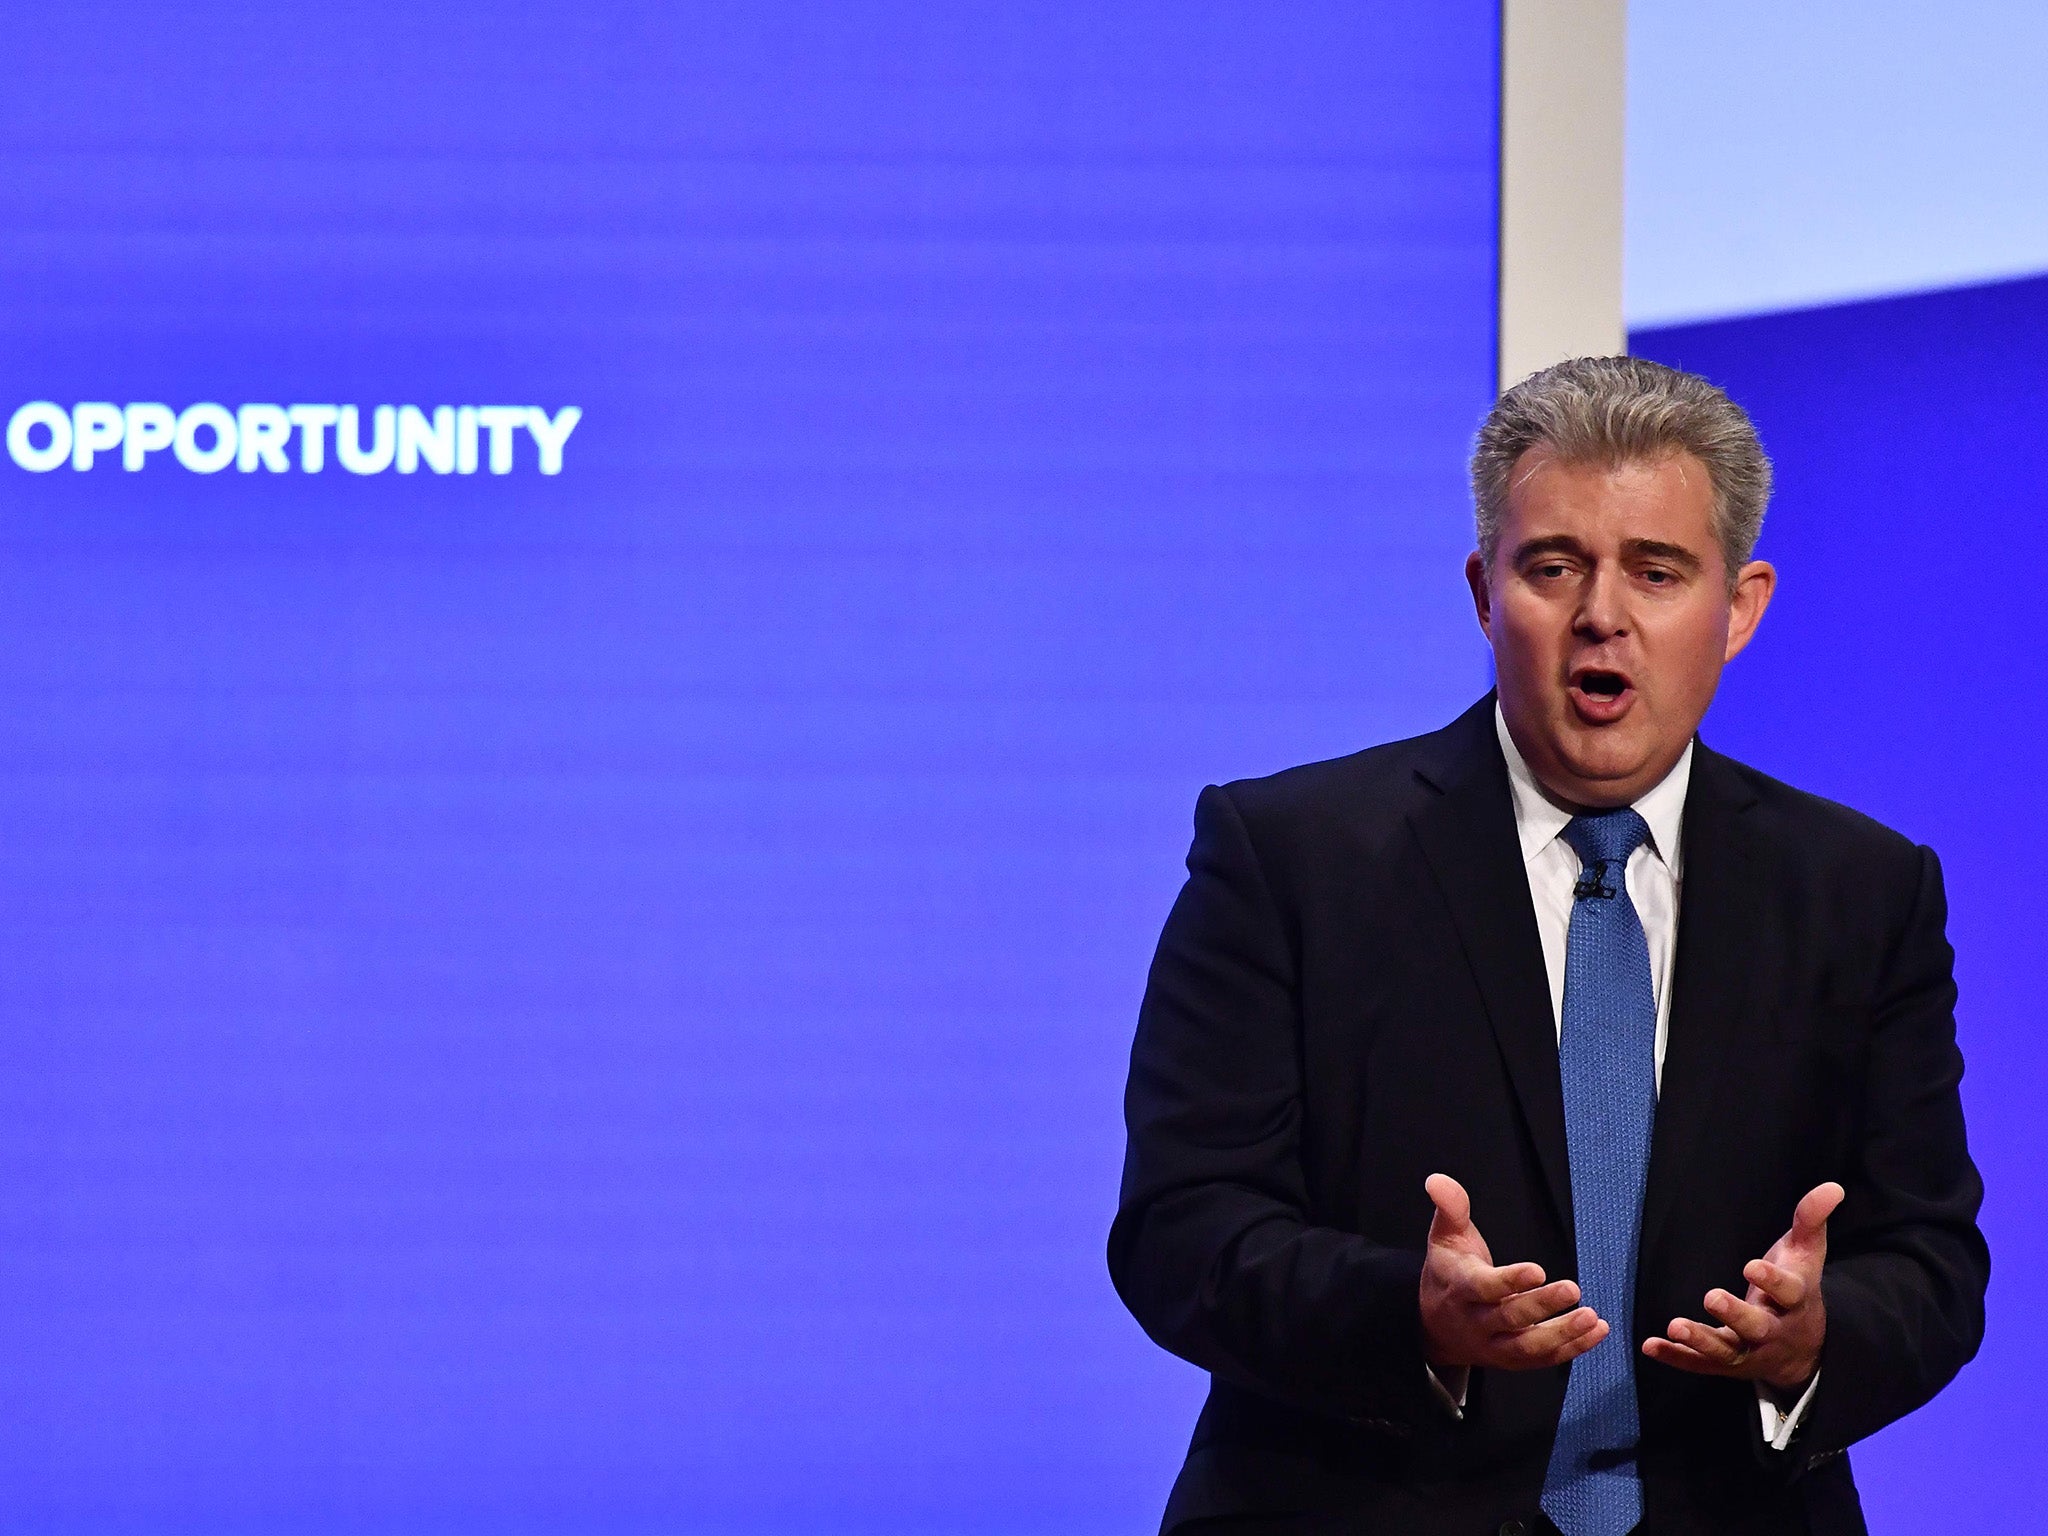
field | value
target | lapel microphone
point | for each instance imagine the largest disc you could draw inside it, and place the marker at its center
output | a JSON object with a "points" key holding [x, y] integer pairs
{"points": [[1593, 882]]}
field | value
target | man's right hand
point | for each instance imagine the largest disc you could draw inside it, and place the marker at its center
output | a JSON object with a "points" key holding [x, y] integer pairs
{"points": [[1505, 1318]]}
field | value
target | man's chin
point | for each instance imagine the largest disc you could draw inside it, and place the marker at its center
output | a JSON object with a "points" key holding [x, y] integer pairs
{"points": [[1604, 765], [1605, 779], [1596, 765]]}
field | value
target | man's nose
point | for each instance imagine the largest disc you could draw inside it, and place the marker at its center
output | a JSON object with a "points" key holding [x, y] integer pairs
{"points": [[1603, 605]]}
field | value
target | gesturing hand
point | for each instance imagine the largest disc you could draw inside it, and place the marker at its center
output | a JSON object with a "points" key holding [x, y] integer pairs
{"points": [[1774, 1334], [1476, 1314]]}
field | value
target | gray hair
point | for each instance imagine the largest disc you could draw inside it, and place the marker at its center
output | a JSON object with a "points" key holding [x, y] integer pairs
{"points": [[1625, 410]]}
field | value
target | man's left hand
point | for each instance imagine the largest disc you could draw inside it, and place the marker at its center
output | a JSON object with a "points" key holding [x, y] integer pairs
{"points": [[1774, 1334]]}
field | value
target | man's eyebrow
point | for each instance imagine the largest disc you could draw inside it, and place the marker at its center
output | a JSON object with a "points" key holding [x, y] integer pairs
{"points": [[1634, 549], [1657, 549], [1549, 544]]}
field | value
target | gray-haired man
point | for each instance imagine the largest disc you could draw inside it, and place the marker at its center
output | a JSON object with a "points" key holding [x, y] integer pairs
{"points": [[1674, 1037]]}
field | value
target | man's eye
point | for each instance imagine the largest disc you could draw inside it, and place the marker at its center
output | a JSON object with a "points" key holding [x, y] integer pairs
{"points": [[1656, 577], [1551, 571]]}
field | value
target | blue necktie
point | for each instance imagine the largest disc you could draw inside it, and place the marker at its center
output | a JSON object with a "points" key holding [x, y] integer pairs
{"points": [[1607, 1059]]}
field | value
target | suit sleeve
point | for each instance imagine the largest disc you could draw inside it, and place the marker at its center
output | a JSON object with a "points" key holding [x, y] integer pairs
{"points": [[1907, 1268], [1212, 1249]]}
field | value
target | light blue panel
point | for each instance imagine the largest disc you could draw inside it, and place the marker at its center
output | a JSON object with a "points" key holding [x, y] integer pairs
{"points": [[1782, 155]]}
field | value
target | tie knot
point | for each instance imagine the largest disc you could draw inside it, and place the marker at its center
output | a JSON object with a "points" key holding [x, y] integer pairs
{"points": [[1608, 838]]}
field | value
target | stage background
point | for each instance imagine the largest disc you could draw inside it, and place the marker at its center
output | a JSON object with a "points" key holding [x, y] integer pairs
{"points": [[1816, 155], [1896, 672], [598, 1002]]}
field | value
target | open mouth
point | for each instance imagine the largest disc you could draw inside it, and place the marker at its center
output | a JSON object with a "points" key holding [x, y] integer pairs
{"points": [[1601, 694]]}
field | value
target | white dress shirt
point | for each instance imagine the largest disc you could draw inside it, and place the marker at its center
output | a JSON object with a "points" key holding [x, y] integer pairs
{"points": [[1655, 875], [1655, 871]]}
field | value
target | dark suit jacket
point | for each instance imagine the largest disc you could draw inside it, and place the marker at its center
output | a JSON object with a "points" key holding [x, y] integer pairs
{"points": [[1350, 995]]}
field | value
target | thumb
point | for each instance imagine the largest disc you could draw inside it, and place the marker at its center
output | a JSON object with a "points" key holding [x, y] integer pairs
{"points": [[1810, 1219], [1453, 1217]]}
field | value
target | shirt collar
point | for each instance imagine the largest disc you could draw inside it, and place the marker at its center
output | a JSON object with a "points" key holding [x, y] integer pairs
{"points": [[1538, 821]]}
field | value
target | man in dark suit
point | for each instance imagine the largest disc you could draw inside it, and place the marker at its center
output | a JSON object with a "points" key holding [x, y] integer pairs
{"points": [[1677, 1039]]}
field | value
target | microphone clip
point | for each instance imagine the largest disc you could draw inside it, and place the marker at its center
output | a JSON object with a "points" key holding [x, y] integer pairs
{"points": [[1593, 882]]}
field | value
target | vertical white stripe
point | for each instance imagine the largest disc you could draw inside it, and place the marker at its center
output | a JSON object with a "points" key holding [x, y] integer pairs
{"points": [[1563, 125]]}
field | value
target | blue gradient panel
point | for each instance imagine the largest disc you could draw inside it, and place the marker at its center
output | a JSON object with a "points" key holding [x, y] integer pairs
{"points": [[1896, 671], [597, 1001]]}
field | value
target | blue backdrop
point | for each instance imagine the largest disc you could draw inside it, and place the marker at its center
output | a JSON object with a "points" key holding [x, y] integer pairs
{"points": [[1892, 673], [596, 1001]]}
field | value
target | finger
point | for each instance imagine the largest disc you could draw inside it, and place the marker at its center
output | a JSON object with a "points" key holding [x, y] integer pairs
{"points": [[1810, 1217], [1784, 1287], [1720, 1345], [1548, 1343], [1665, 1352], [1751, 1324], [1529, 1307], [1571, 1349], [1490, 1287], [1453, 1216]]}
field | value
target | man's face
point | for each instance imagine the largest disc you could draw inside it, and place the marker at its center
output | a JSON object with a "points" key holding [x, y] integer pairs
{"points": [[1610, 614]]}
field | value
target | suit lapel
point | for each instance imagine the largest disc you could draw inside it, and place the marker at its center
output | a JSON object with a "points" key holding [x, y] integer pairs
{"points": [[1468, 837], [1712, 1009]]}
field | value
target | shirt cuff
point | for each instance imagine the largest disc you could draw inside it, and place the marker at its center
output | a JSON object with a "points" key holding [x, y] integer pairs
{"points": [[1459, 1376], [1779, 1426]]}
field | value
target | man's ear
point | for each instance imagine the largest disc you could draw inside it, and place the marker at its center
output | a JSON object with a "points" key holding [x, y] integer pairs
{"points": [[1754, 584], [1482, 595]]}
